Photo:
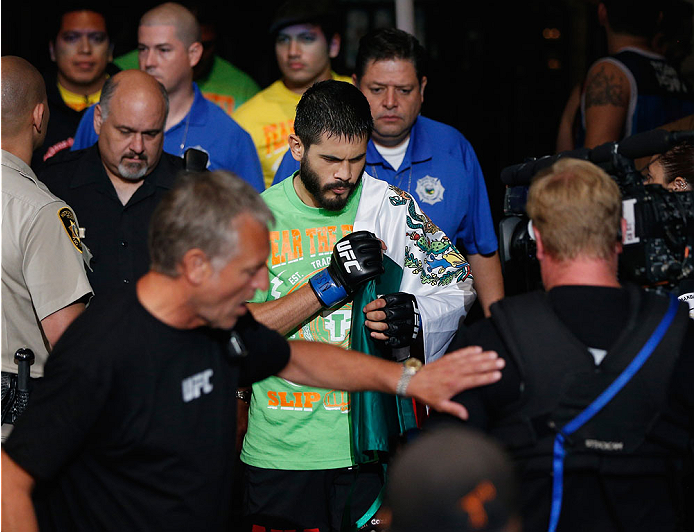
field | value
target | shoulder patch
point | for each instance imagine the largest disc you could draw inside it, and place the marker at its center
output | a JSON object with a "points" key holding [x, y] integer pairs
{"points": [[67, 217]]}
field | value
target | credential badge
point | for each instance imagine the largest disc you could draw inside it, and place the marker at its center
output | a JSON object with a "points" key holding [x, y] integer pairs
{"points": [[430, 190]]}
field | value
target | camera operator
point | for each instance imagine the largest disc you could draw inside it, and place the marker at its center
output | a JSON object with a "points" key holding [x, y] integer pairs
{"points": [[673, 169], [596, 403]]}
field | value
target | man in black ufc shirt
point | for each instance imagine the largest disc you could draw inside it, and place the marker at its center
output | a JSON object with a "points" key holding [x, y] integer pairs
{"points": [[133, 426]]}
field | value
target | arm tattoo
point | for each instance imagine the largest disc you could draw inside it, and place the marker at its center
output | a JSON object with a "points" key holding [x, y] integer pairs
{"points": [[604, 89]]}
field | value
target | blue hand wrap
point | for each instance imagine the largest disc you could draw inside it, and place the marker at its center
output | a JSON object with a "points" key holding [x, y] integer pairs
{"points": [[326, 289]]}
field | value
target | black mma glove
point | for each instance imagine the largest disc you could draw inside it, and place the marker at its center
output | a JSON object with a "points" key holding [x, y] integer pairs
{"points": [[402, 318], [357, 258]]}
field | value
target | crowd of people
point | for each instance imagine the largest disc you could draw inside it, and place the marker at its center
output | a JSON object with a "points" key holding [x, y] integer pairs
{"points": [[246, 309]]}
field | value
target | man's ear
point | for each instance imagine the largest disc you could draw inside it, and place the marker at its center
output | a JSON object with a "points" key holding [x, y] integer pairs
{"points": [[98, 119], [355, 82], [334, 46], [110, 52], [195, 266], [37, 117], [422, 85], [296, 147], [194, 53], [51, 50], [540, 248]]}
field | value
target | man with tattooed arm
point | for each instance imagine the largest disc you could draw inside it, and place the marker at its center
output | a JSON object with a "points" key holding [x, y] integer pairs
{"points": [[634, 89]]}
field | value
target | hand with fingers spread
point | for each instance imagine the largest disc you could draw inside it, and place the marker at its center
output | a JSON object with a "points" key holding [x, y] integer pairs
{"points": [[459, 370]]}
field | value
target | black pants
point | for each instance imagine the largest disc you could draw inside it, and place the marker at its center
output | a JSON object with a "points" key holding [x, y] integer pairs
{"points": [[314, 500]]}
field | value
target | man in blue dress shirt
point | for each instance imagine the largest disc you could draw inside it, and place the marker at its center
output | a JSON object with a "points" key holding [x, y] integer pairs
{"points": [[430, 160], [169, 47]]}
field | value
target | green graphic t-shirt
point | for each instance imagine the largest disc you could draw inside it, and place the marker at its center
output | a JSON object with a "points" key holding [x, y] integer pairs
{"points": [[292, 426]]}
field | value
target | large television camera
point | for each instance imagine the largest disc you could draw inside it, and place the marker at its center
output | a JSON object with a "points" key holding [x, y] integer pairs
{"points": [[660, 224]]}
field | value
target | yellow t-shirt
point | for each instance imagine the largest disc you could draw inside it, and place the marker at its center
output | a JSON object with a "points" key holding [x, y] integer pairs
{"points": [[269, 119], [78, 102]]}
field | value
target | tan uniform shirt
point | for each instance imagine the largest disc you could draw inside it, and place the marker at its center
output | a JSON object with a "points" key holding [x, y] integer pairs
{"points": [[43, 261]]}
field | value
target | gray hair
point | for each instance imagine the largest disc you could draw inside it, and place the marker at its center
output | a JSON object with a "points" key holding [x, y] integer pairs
{"points": [[200, 211], [109, 89]]}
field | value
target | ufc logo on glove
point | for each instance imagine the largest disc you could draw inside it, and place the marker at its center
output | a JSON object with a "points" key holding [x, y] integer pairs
{"points": [[344, 250], [356, 259]]}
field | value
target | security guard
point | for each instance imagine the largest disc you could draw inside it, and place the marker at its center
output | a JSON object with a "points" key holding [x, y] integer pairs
{"points": [[44, 284]]}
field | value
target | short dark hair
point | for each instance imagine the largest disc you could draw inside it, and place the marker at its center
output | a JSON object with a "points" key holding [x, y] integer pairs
{"points": [[679, 162], [335, 108], [390, 43], [72, 7], [322, 13], [633, 17]]}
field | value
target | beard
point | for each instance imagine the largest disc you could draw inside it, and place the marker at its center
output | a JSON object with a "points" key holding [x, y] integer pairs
{"points": [[311, 182], [133, 171]]}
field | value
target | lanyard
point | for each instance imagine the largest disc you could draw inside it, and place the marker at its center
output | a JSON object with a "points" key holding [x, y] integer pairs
{"points": [[605, 397], [409, 179]]}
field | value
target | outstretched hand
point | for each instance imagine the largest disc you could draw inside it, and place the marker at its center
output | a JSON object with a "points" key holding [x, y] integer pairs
{"points": [[436, 383]]}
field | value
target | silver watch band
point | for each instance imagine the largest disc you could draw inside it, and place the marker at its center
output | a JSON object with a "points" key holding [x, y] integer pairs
{"points": [[403, 383]]}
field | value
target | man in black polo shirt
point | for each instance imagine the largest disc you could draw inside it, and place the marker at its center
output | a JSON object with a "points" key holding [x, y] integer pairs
{"points": [[115, 185], [134, 424], [595, 420]]}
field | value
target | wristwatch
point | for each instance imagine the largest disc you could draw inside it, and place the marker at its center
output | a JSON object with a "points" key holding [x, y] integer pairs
{"points": [[409, 368]]}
